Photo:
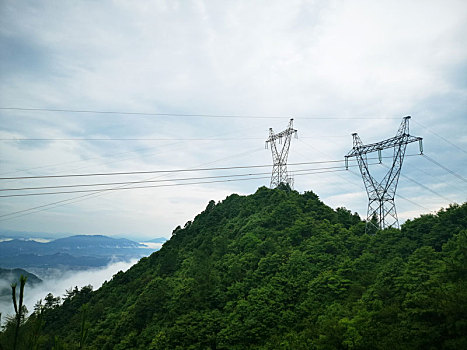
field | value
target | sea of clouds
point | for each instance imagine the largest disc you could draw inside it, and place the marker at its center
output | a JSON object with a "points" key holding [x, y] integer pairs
{"points": [[58, 283]]}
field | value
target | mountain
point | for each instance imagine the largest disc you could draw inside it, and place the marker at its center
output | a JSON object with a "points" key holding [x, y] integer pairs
{"points": [[9, 234], [95, 241], [277, 270], [18, 246], [55, 260], [80, 251], [76, 245], [12, 275]]}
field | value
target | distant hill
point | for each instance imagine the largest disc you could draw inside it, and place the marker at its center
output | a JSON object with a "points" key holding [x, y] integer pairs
{"points": [[74, 251], [28, 234], [12, 275], [57, 260], [92, 241], [281, 270], [93, 244]]}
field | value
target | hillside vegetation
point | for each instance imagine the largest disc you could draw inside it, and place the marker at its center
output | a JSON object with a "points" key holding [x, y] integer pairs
{"points": [[276, 270]]}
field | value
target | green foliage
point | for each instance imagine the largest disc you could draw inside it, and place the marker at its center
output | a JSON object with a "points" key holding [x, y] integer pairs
{"points": [[279, 270], [12, 336], [19, 311], [84, 325]]}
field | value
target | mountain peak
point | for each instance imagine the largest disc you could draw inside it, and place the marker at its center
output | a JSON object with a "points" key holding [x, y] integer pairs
{"points": [[280, 269]]}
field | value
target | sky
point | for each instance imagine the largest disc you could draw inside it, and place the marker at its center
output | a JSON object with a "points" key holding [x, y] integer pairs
{"points": [[198, 84]]}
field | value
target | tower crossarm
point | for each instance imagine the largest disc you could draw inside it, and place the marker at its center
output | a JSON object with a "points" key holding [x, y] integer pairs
{"points": [[379, 146], [282, 134], [289, 131]]}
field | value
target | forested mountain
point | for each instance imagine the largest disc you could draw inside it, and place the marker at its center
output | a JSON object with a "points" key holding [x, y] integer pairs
{"points": [[276, 270]]}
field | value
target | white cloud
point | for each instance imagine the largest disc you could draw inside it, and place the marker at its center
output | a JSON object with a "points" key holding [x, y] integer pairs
{"points": [[291, 59], [59, 283]]}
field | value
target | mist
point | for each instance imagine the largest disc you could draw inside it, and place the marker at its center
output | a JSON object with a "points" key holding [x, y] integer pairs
{"points": [[58, 284]]}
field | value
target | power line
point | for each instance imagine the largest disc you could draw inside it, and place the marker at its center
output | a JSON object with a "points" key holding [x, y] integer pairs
{"points": [[414, 203], [54, 204], [150, 186], [158, 139], [170, 170], [427, 188], [107, 155], [135, 182], [157, 171], [98, 193], [84, 197], [130, 188], [134, 139], [435, 177], [443, 167], [441, 137], [397, 194], [149, 181], [83, 111], [63, 202]]}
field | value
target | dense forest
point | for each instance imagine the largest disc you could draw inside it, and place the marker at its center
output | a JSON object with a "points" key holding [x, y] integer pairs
{"points": [[273, 270]]}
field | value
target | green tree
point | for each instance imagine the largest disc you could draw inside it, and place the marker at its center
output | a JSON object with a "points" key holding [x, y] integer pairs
{"points": [[20, 309], [278, 270]]}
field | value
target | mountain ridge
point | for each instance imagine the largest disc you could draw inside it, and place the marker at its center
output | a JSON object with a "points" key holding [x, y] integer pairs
{"points": [[278, 269], [74, 251]]}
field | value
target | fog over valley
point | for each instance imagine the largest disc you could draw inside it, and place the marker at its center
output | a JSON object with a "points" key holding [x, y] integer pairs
{"points": [[58, 284], [54, 266]]}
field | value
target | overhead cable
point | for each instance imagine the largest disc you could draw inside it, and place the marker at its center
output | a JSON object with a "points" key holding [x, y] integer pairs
{"points": [[309, 172], [149, 186], [87, 196], [427, 188], [166, 171], [159, 171], [441, 137], [86, 111], [150, 181], [443, 167]]}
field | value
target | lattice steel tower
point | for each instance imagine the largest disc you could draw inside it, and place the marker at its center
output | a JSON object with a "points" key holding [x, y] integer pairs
{"points": [[381, 194], [279, 155]]}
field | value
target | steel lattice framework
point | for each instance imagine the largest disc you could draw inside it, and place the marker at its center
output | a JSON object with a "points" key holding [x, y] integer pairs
{"points": [[279, 155], [381, 194]]}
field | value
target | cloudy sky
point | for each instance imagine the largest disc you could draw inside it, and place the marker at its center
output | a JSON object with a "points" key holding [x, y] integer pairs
{"points": [[198, 84]]}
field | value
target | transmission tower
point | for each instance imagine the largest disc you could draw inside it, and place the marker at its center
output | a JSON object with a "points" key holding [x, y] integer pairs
{"points": [[279, 155], [381, 194]]}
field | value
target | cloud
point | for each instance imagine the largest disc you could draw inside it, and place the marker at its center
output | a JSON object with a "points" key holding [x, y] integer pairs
{"points": [[297, 59], [60, 281]]}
